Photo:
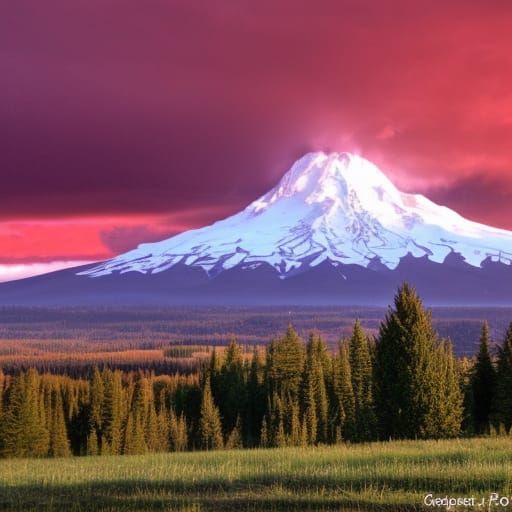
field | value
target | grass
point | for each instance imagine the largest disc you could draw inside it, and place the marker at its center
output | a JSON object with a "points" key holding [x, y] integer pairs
{"points": [[392, 476]]}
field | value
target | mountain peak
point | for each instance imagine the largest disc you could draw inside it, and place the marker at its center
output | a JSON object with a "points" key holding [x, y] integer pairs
{"points": [[329, 207], [320, 177]]}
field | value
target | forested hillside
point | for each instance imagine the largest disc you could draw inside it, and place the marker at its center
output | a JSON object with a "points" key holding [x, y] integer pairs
{"points": [[403, 383]]}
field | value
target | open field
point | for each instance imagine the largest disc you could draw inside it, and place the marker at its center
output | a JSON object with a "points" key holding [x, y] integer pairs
{"points": [[392, 476]]}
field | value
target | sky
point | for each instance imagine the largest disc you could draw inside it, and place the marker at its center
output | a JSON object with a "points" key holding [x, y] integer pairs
{"points": [[124, 122]]}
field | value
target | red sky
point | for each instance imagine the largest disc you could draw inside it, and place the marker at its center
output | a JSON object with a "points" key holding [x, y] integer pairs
{"points": [[128, 121]]}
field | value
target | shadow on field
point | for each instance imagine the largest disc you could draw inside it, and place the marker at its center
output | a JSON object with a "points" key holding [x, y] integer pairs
{"points": [[124, 495]]}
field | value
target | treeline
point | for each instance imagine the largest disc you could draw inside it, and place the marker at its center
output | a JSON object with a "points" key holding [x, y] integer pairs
{"points": [[83, 369], [406, 383]]}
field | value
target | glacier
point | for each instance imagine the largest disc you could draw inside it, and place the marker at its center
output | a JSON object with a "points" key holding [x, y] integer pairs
{"points": [[329, 207]]}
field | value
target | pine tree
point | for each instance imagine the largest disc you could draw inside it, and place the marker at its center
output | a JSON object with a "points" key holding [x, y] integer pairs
{"points": [[361, 371], [46, 397], [406, 360], [285, 364], [181, 438], [23, 432], [112, 411], [345, 417], [295, 438], [503, 389], [134, 441], [142, 396], [483, 383], [11, 427], [234, 439], [96, 405], [231, 397], [315, 389], [59, 442], [173, 431], [280, 436], [164, 437], [310, 414], [92, 444], [449, 401], [255, 400], [151, 429], [210, 428]]}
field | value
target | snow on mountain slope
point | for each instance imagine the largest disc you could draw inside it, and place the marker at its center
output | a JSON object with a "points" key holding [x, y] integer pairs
{"points": [[337, 207]]}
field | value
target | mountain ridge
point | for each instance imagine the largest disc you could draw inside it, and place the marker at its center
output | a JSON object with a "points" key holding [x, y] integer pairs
{"points": [[334, 231], [337, 207]]}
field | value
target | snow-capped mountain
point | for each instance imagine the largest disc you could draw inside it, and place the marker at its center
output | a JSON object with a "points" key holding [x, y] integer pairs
{"points": [[337, 208], [334, 231]]}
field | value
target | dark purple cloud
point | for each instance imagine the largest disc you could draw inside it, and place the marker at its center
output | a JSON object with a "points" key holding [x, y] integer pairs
{"points": [[122, 108]]}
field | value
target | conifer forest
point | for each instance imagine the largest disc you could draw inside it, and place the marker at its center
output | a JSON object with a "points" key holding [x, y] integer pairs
{"points": [[402, 383]]}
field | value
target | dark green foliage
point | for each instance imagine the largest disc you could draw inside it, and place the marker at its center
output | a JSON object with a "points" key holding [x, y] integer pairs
{"points": [[231, 387], [96, 405], [310, 416], [483, 383], [345, 413], [59, 442], [112, 411], [407, 384], [285, 364], [448, 406], [315, 399], [178, 438], [361, 372], [210, 427], [23, 432], [256, 400], [409, 366], [134, 439], [234, 439], [503, 389]]}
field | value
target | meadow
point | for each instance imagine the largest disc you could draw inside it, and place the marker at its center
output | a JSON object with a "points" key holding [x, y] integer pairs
{"points": [[390, 476]]}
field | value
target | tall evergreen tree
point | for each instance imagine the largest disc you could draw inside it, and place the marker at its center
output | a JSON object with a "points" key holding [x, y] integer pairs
{"points": [[483, 382], [285, 364], [231, 398], [295, 437], [406, 369], [503, 389], [23, 432], [361, 371], [234, 439], [317, 360], [210, 428], [449, 401], [276, 421], [92, 443], [178, 432], [59, 442], [310, 417], [256, 400], [112, 410], [345, 417], [151, 429], [96, 404], [134, 439]]}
